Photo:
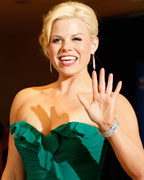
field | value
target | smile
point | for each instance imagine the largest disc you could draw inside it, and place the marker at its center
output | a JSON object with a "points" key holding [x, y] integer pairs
{"points": [[67, 60]]}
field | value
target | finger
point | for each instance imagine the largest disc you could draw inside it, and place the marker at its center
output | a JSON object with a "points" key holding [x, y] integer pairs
{"points": [[94, 84], [101, 87], [109, 84], [117, 90]]}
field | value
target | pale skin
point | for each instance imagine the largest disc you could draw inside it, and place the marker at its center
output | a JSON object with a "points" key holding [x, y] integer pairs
{"points": [[77, 97]]}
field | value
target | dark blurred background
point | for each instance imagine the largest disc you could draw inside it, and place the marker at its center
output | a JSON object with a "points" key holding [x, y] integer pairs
{"points": [[22, 64]]}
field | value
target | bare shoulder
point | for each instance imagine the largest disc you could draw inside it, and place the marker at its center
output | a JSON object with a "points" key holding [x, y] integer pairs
{"points": [[14, 168], [23, 99], [20, 98], [22, 95], [126, 115], [124, 108]]}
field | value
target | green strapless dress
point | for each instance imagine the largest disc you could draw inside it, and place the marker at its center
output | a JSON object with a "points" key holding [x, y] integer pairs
{"points": [[72, 151]]}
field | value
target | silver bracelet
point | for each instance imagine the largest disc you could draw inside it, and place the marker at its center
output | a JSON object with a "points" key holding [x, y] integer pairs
{"points": [[112, 130]]}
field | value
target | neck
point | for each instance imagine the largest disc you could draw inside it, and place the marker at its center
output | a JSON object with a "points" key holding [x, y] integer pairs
{"points": [[80, 82]]}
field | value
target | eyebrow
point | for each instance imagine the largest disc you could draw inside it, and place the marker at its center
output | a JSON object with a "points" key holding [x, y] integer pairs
{"points": [[77, 34], [54, 35]]}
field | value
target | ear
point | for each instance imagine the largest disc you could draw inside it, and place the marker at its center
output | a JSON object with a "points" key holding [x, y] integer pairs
{"points": [[94, 46]]}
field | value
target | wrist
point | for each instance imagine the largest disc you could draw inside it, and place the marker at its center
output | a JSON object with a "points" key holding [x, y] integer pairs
{"points": [[108, 131], [105, 126]]}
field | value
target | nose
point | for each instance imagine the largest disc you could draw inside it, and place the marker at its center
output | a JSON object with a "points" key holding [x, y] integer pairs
{"points": [[66, 46]]}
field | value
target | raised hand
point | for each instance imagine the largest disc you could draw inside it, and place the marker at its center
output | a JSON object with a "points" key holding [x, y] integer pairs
{"points": [[101, 106]]}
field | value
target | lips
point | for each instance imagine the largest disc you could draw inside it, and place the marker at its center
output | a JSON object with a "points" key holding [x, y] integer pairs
{"points": [[67, 60]]}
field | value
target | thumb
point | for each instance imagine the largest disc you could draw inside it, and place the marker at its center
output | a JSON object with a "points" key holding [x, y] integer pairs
{"points": [[83, 101]]}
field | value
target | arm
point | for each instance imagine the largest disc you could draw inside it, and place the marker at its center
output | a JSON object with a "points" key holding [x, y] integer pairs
{"points": [[14, 169], [126, 142], [102, 109], [1, 157]]}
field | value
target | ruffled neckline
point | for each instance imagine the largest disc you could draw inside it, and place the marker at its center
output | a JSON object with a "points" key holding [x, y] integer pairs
{"points": [[76, 128], [48, 145]]}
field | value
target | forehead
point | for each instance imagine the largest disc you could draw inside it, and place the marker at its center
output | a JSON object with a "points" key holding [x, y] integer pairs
{"points": [[69, 26]]}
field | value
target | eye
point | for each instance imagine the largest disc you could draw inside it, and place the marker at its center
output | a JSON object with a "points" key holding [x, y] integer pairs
{"points": [[77, 39], [56, 40]]}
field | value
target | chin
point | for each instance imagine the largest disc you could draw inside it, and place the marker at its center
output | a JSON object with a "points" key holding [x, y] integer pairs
{"points": [[71, 72]]}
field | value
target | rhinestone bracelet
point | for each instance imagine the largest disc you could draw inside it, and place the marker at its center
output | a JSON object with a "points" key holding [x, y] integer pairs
{"points": [[112, 130]]}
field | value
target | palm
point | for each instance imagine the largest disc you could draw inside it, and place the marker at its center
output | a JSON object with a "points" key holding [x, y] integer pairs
{"points": [[100, 106]]}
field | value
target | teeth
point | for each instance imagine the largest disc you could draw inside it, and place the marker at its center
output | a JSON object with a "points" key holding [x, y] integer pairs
{"points": [[67, 58], [70, 61]]}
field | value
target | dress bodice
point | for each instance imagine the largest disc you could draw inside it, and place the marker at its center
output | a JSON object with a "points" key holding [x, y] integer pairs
{"points": [[72, 151]]}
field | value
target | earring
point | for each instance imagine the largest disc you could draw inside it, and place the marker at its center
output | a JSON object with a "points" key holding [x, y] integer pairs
{"points": [[93, 60], [51, 67]]}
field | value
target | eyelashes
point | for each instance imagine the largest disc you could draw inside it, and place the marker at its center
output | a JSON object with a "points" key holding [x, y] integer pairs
{"points": [[77, 39], [58, 40]]}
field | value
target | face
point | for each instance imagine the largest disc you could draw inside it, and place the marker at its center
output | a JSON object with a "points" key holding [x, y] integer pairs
{"points": [[70, 46]]}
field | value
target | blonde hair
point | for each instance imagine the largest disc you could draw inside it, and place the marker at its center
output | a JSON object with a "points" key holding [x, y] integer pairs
{"points": [[69, 9]]}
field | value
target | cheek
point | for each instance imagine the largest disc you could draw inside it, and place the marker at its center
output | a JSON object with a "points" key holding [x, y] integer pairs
{"points": [[52, 52], [85, 48], [85, 51], [85, 54]]}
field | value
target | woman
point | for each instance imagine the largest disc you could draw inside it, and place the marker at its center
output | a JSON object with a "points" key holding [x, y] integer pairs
{"points": [[59, 130]]}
